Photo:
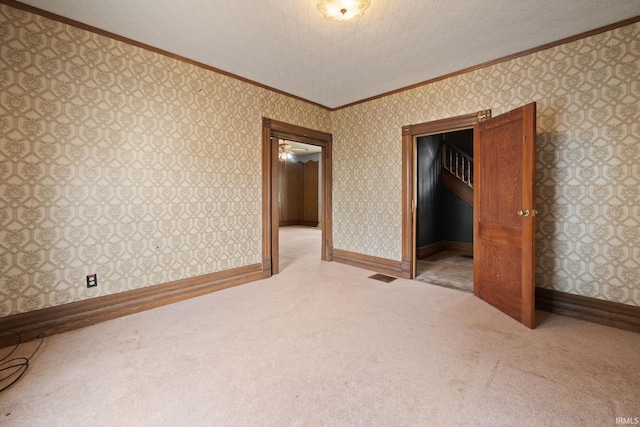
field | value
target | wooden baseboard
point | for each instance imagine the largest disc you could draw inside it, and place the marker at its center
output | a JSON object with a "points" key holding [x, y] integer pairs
{"points": [[75, 315], [607, 313], [434, 248], [462, 248], [67, 317], [266, 268], [309, 223], [429, 250], [291, 222], [368, 262]]}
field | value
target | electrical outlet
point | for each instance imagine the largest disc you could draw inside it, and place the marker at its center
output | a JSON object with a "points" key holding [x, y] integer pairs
{"points": [[92, 280]]}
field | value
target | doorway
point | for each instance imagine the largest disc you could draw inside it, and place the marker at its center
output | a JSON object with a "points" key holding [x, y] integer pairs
{"points": [[444, 209], [410, 135], [299, 201], [504, 203], [272, 133]]}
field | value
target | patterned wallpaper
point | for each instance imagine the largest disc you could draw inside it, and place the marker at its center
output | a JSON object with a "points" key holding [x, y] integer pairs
{"points": [[123, 162], [588, 159], [145, 169]]}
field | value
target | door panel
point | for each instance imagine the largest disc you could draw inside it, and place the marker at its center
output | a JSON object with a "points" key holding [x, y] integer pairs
{"points": [[504, 275], [504, 176]]}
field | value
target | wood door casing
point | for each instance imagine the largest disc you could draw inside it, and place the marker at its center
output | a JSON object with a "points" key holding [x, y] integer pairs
{"points": [[504, 181], [271, 131], [409, 135]]}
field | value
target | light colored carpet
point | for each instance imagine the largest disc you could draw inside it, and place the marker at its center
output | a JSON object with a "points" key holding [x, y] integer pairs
{"points": [[322, 345]]}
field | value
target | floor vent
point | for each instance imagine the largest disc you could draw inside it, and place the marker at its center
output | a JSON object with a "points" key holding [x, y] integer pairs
{"points": [[383, 278]]}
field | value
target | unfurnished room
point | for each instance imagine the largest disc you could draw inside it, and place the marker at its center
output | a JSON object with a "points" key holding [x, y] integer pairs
{"points": [[319, 213]]}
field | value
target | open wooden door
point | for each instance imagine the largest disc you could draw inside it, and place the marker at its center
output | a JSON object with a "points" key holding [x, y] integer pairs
{"points": [[504, 212]]}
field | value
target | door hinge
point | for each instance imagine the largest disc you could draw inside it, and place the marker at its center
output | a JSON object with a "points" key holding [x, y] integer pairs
{"points": [[484, 115]]}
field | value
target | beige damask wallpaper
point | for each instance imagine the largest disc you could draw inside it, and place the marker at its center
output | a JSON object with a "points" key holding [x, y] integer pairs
{"points": [[588, 181], [145, 169], [122, 162]]}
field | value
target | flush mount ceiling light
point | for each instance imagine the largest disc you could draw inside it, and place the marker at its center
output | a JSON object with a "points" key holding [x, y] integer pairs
{"points": [[343, 10]]}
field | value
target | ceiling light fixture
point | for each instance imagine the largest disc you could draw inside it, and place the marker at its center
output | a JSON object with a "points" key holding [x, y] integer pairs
{"points": [[286, 151], [343, 10]]}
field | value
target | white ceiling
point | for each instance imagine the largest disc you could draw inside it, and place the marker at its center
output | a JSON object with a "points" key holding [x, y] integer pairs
{"points": [[288, 45], [301, 149]]}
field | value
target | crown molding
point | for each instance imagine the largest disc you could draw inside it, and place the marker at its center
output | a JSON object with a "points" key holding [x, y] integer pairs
{"points": [[92, 29]]}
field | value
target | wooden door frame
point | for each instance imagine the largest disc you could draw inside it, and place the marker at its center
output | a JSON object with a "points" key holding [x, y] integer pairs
{"points": [[410, 134], [270, 187]]}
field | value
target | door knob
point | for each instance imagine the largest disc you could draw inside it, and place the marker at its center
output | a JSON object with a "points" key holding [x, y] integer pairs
{"points": [[523, 212]]}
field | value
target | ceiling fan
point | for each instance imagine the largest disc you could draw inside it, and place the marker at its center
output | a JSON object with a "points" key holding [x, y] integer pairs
{"points": [[286, 149]]}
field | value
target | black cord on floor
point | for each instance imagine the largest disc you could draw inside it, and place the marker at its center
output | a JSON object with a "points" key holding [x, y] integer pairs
{"points": [[11, 370]]}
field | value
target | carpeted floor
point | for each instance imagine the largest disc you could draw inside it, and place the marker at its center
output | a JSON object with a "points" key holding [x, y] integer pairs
{"points": [[321, 344]]}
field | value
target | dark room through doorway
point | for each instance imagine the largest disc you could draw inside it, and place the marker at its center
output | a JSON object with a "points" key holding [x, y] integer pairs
{"points": [[444, 209]]}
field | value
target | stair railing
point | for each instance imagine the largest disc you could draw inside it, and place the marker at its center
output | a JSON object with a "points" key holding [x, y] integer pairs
{"points": [[458, 163]]}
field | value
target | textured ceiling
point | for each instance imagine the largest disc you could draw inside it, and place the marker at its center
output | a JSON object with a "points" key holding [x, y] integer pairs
{"points": [[288, 45]]}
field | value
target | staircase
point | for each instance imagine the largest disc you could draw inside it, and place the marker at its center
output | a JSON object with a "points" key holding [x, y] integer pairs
{"points": [[457, 172]]}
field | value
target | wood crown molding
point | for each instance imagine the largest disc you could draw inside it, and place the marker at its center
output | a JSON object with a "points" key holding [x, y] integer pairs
{"points": [[96, 30], [76, 315], [77, 24], [498, 60]]}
